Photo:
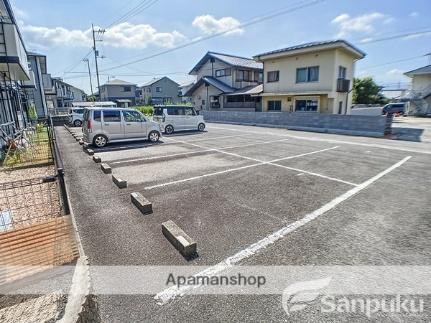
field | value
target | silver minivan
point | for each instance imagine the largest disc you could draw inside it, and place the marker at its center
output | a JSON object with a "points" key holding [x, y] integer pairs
{"points": [[178, 117], [103, 125]]}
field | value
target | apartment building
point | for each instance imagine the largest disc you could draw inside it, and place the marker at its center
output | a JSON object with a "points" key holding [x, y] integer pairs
{"points": [[60, 95], [161, 90], [35, 88], [311, 77], [420, 94], [227, 82], [14, 70]]}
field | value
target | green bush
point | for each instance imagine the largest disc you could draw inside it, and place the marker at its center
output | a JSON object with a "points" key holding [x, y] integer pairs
{"points": [[147, 110], [32, 113]]}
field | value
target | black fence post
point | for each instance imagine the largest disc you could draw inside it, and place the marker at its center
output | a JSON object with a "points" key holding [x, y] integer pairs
{"points": [[60, 173], [59, 166]]}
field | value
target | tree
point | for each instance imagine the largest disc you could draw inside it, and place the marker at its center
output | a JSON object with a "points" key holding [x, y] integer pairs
{"points": [[366, 91]]}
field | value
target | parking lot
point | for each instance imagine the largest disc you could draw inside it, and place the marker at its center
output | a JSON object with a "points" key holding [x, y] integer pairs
{"points": [[251, 195]]}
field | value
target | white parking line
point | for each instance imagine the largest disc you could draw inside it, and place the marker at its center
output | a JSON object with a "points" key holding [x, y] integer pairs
{"points": [[259, 163], [192, 152], [333, 141], [171, 293], [160, 157]]}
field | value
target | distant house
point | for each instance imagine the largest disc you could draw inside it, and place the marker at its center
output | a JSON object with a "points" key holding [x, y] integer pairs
{"points": [[312, 77], [226, 82], [160, 91], [420, 93], [121, 92], [183, 89]]}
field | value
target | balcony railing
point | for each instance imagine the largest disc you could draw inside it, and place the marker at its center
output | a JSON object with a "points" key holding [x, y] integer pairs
{"points": [[343, 85]]}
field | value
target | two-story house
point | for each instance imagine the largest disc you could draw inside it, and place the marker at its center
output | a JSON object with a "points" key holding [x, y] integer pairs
{"points": [[226, 82], [161, 90], [311, 77], [121, 92], [420, 93]]}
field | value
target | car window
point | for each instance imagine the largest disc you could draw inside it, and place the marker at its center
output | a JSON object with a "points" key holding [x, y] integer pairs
{"points": [[172, 111], [132, 116], [158, 111], [189, 112], [180, 111], [97, 116], [79, 111], [111, 116]]}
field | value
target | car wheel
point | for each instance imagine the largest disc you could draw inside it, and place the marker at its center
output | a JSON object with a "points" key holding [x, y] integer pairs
{"points": [[77, 123], [154, 136], [169, 129], [201, 127], [100, 141]]}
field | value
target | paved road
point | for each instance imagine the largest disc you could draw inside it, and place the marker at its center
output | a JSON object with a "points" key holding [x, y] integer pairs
{"points": [[225, 189]]}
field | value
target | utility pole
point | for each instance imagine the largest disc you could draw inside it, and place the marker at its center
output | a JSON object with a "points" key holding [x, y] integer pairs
{"points": [[96, 54], [89, 74]]}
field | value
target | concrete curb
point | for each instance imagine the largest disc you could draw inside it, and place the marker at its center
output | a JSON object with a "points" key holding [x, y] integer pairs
{"points": [[81, 305], [106, 168], [81, 142], [97, 159], [90, 152], [119, 182], [143, 205], [179, 239]]}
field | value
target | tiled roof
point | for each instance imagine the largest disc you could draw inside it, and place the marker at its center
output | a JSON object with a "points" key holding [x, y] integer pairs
{"points": [[420, 70], [154, 80], [249, 90], [232, 60], [118, 82], [310, 45], [224, 88]]}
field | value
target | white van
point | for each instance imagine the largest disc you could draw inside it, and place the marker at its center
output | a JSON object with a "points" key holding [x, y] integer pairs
{"points": [[76, 116], [176, 117], [103, 125]]}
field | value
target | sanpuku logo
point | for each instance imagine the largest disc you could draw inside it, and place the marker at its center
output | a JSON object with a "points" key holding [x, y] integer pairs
{"points": [[296, 296]]}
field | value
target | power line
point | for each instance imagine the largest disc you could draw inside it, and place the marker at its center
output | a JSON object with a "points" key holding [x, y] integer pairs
{"points": [[143, 5], [393, 62], [298, 6]]}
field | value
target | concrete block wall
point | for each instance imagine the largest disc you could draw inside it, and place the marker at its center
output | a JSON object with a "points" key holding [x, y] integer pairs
{"points": [[374, 126]]}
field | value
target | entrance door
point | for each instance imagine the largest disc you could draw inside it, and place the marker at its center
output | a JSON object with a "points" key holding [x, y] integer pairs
{"points": [[112, 124]]}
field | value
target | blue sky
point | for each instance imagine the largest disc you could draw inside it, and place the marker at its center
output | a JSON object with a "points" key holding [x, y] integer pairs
{"points": [[60, 29]]}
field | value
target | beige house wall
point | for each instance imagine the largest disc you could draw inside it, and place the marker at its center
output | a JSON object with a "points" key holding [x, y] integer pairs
{"points": [[328, 62], [288, 65], [288, 102], [201, 94], [421, 82]]}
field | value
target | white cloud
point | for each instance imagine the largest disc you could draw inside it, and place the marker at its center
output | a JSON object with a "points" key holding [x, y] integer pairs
{"points": [[414, 14], [19, 13], [210, 25], [359, 24], [124, 35], [395, 72]]}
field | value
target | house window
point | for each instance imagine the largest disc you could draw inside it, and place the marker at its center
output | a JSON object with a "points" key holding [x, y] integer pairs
{"points": [[258, 76], [158, 89], [127, 89], [306, 105], [307, 74], [274, 105], [244, 75], [273, 76], [148, 90], [223, 72], [342, 72]]}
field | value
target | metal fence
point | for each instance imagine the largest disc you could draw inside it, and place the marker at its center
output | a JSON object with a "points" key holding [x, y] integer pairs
{"points": [[29, 201]]}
